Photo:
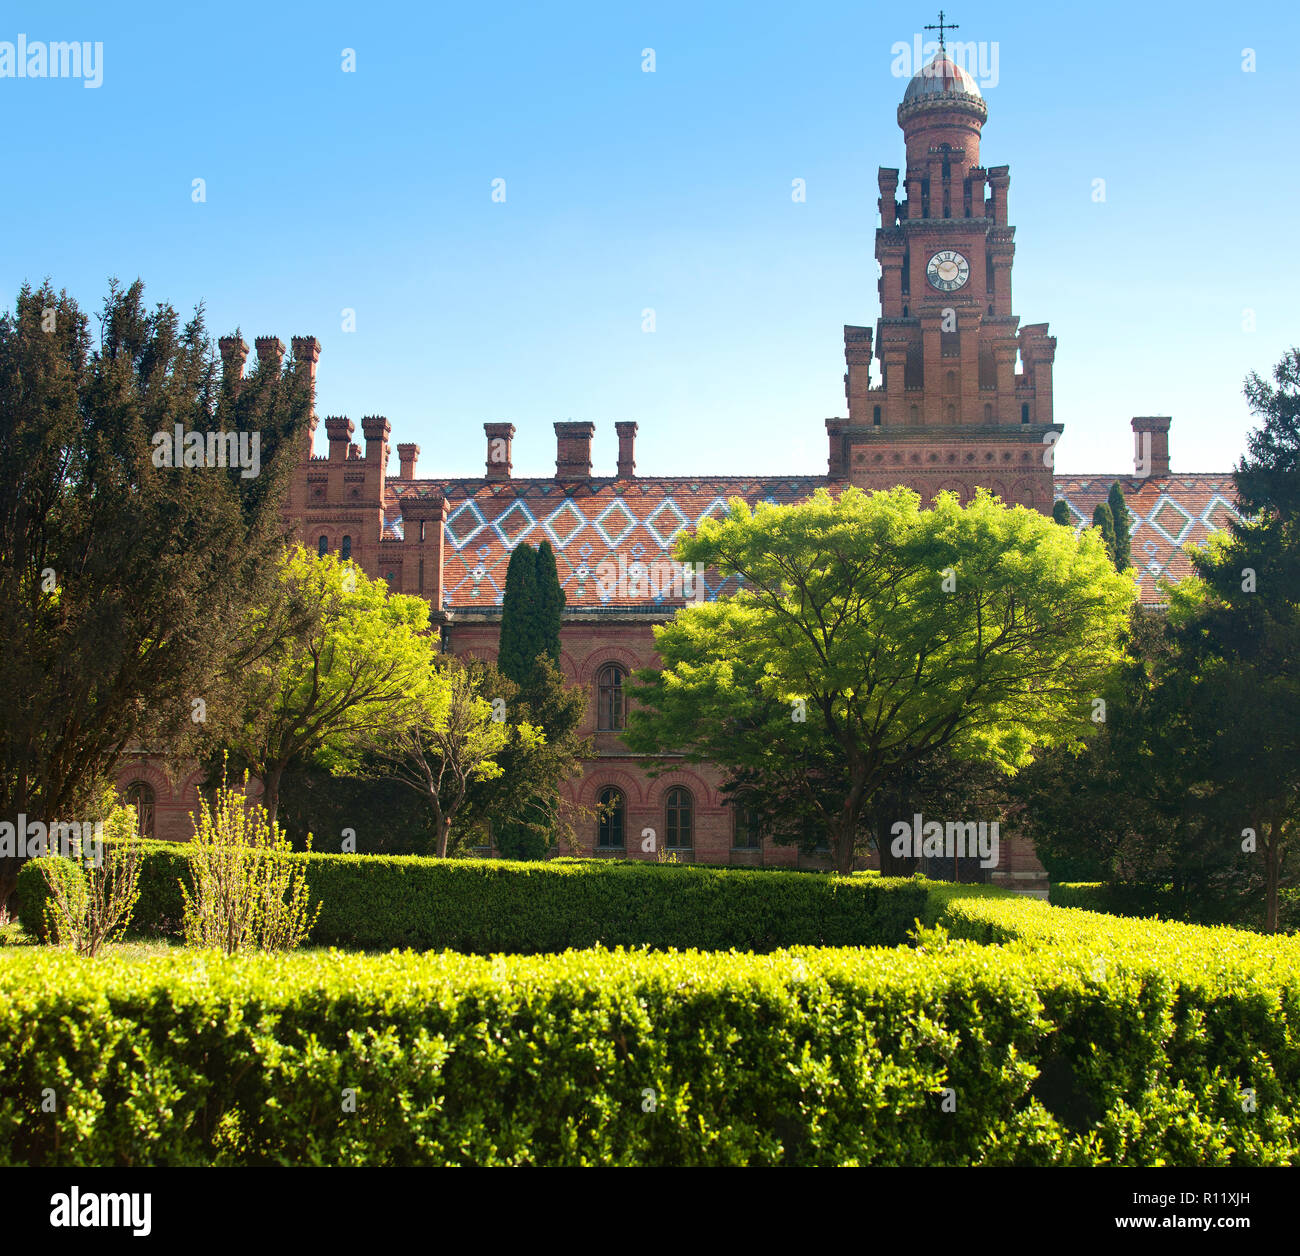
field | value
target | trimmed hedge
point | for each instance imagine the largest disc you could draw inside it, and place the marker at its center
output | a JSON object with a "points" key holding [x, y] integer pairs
{"points": [[1032, 924], [962, 1055], [1152, 901], [485, 906]]}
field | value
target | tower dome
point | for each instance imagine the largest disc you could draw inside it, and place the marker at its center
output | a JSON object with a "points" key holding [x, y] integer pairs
{"points": [[942, 84]]}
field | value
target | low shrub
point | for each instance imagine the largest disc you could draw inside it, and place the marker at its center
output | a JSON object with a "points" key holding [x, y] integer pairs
{"points": [[482, 906], [964, 1055]]}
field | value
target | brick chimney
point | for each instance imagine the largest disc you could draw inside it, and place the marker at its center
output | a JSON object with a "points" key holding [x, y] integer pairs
{"points": [[573, 450], [1151, 445], [835, 439], [423, 520], [234, 353], [270, 351], [626, 450], [499, 455], [406, 456]]}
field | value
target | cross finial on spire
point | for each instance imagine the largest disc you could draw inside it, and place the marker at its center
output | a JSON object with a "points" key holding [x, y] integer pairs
{"points": [[941, 27]]}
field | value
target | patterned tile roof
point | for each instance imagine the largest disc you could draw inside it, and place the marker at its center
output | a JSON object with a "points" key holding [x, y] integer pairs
{"points": [[1169, 513], [631, 524]]}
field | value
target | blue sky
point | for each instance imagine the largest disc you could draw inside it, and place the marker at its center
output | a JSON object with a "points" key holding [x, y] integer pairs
{"points": [[626, 191]]}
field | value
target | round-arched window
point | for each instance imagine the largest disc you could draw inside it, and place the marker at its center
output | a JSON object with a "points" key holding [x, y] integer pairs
{"points": [[610, 712], [610, 824]]}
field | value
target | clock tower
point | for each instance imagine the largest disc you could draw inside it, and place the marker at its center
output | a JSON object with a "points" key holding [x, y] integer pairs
{"points": [[964, 394]]}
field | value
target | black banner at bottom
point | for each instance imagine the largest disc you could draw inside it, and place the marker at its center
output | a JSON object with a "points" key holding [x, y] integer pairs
{"points": [[296, 1205]]}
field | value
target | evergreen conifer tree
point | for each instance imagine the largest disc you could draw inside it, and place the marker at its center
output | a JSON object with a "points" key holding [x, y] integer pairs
{"points": [[1104, 522], [550, 603], [1122, 520], [520, 643]]}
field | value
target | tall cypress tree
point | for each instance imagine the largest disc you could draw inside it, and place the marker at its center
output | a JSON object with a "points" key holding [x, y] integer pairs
{"points": [[1122, 520], [532, 613], [519, 619], [550, 603], [1061, 512], [1105, 521]]}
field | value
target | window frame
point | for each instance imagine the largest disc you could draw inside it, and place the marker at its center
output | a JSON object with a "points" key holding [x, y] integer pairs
{"points": [[684, 803], [608, 719], [606, 822], [745, 817]]}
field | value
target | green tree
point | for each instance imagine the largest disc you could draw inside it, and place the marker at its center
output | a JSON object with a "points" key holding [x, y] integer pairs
{"points": [[122, 582], [1104, 522], [1193, 782], [1109, 810], [527, 825], [360, 664], [1061, 513], [550, 603], [520, 643], [1122, 521], [455, 741], [525, 805], [1237, 626], [878, 633], [532, 612]]}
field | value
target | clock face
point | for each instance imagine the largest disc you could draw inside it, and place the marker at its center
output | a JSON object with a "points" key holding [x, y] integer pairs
{"points": [[947, 270]]}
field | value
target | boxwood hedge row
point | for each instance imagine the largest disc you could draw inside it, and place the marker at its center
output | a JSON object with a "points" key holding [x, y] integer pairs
{"points": [[483, 906], [1124, 899], [959, 1055]]}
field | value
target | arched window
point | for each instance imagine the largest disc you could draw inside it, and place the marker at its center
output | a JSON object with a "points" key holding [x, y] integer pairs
{"points": [[609, 831], [679, 819], [345, 550], [140, 796], [609, 697], [748, 832], [1024, 412], [323, 545]]}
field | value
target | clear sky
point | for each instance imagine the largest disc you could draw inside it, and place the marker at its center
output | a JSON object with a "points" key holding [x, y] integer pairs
{"points": [[669, 191]]}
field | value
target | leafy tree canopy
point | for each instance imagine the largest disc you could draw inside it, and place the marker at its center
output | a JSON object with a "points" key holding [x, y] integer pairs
{"points": [[876, 633]]}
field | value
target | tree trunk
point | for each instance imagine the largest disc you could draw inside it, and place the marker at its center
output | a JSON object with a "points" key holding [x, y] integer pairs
{"points": [[271, 791], [444, 833], [8, 883], [844, 833]]}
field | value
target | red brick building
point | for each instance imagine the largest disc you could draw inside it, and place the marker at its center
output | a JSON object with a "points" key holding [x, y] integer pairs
{"points": [[949, 393]]}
